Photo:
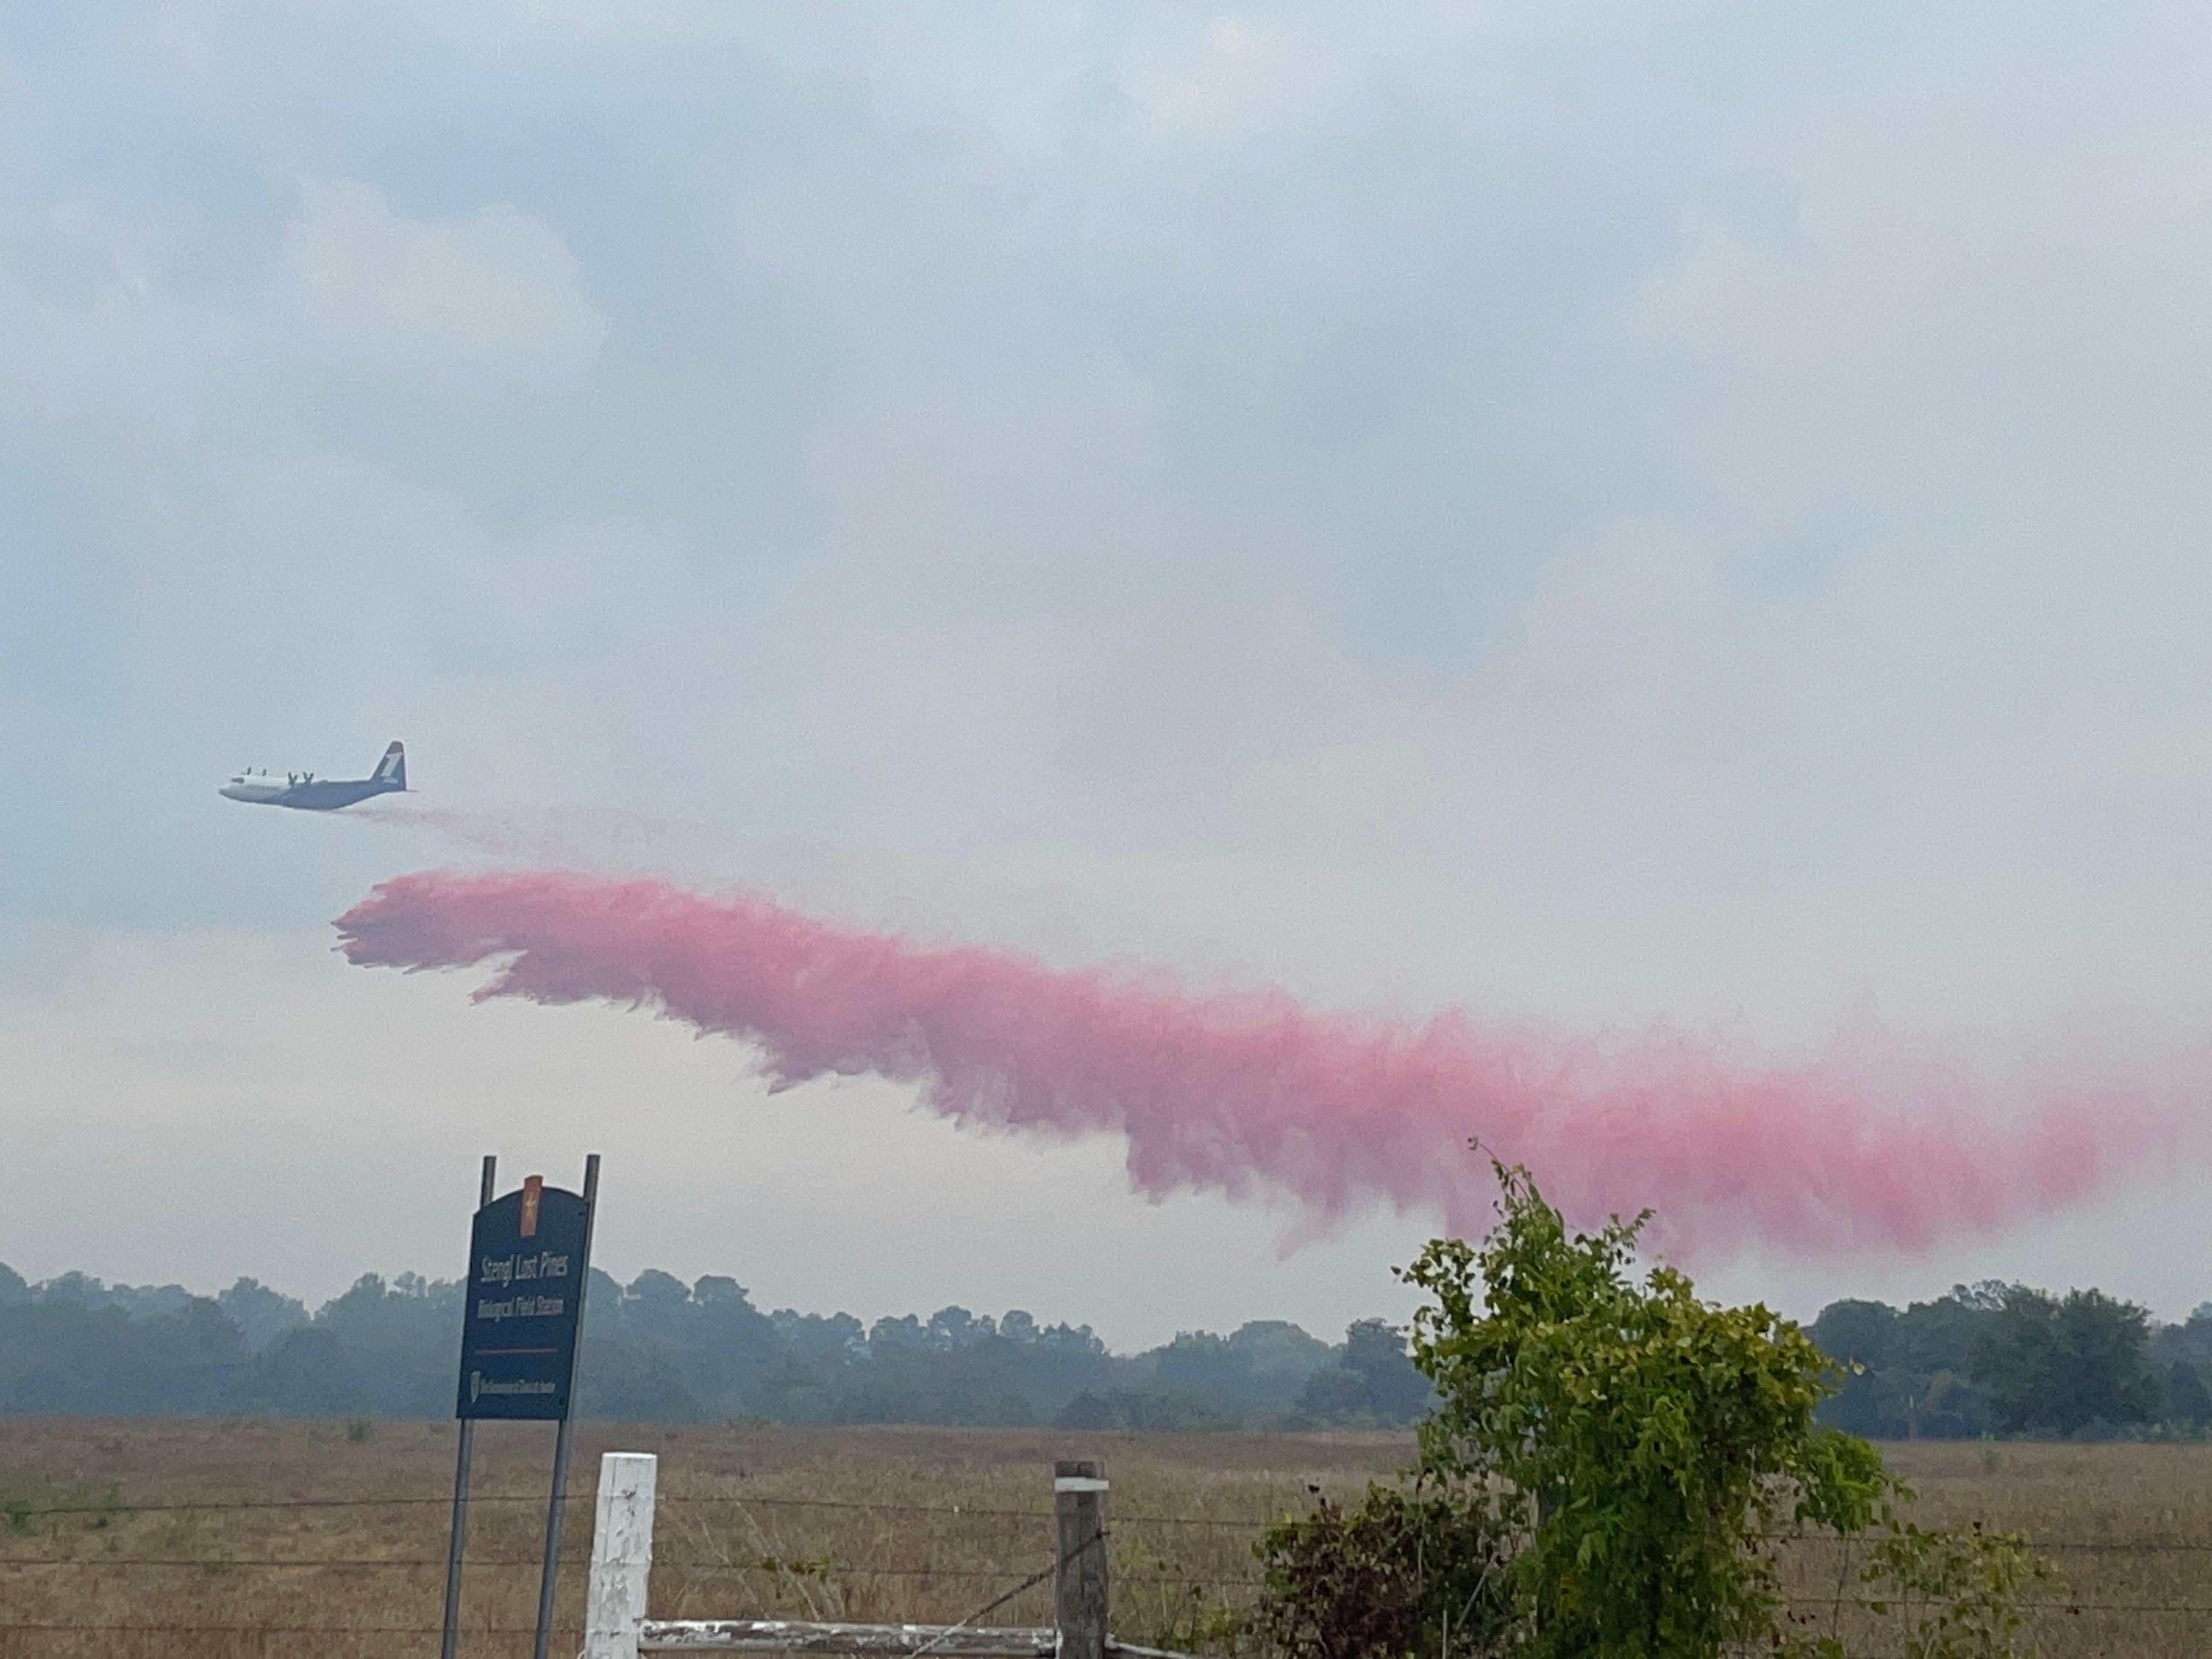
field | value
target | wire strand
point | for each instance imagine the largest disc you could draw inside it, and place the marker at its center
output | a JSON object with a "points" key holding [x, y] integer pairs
{"points": [[16, 1515], [1033, 1580]]}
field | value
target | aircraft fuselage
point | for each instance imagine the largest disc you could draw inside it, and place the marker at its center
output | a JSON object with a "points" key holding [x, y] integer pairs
{"points": [[320, 796], [307, 793]]}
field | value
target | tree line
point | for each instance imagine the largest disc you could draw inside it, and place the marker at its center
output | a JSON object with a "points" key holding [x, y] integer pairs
{"points": [[1992, 1359], [659, 1350], [2005, 1360]]}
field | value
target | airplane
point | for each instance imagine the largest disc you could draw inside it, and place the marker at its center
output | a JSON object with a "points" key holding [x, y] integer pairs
{"points": [[309, 793]]}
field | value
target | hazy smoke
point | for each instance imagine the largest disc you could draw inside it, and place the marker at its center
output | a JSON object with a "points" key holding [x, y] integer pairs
{"points": [[1250, 1093], [600, 839]]}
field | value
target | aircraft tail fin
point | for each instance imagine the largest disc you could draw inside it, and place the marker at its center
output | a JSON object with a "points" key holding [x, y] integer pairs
{"points": [[392, 770]]}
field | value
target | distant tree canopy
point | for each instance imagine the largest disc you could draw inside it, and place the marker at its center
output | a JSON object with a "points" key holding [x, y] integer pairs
{"points": [[2064, 1365], [1374, 1381], [1989, 1358], [2009, 1359], [658, 1349]]}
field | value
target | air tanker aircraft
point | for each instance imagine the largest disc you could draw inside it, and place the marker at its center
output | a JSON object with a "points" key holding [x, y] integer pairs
{"points": [[310, 794]]}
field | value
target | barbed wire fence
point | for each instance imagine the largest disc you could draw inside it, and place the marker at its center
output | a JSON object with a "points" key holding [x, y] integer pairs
{"points": [[709, 1540], [718, 1553]]}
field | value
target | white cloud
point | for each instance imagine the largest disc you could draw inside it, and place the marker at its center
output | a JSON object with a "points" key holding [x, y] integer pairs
{"points": [[1611, 511], [496, 284], [617, 18], [1230, 40]]}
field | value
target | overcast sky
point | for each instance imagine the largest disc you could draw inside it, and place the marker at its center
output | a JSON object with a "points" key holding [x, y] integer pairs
{"points": [[1603, 513]]}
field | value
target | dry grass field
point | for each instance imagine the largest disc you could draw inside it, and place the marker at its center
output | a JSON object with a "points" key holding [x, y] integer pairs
{"points": [[208, 1540], [2129, 1527], [294, 1537]]}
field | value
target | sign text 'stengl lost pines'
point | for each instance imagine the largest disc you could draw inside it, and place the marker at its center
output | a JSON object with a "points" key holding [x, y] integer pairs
{"points": [[530, 1263], [526, 1292]]}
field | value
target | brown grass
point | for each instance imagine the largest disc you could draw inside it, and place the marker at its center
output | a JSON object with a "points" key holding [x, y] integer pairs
{"points": [[926, 1525], [2128, 1527], [344, 1552]]}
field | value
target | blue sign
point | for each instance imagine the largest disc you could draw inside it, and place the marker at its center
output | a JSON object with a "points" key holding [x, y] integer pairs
{"points": [[529, 1255]]}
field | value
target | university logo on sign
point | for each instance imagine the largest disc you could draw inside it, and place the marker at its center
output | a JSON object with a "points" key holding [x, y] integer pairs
{"points": [[527, 1268]]}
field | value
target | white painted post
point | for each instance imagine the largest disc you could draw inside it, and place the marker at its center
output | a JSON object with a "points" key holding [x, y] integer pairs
{"points": [[622, 1555]]}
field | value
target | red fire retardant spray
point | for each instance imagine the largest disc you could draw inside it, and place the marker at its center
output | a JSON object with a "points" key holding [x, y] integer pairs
{"points": [[1252, 1093]]}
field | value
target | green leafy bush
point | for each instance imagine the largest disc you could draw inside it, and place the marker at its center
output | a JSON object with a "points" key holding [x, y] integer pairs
{"points": [[1639, 1442], [1604, 1473], [1959, 1591], [1409, 1571]]}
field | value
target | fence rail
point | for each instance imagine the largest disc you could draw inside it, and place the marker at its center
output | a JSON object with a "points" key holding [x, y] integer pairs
{"points": [[2120, 1583], [616, 1625], [788, 1636]]}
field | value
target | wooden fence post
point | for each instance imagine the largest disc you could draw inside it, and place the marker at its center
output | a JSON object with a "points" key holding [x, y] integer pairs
{"points": [[1079, 1586], [622, 1555]]}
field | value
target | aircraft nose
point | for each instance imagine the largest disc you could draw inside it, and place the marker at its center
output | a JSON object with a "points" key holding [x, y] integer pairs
{"points": [[229, 790]]}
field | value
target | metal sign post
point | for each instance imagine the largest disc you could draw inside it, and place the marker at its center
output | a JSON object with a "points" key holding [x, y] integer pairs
{"points": [[452, 1626], [554, 1508], [530, 1261]]}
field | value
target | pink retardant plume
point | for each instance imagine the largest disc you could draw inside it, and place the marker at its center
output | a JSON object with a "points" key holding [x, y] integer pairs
{"points": [[1252, 1094]]}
